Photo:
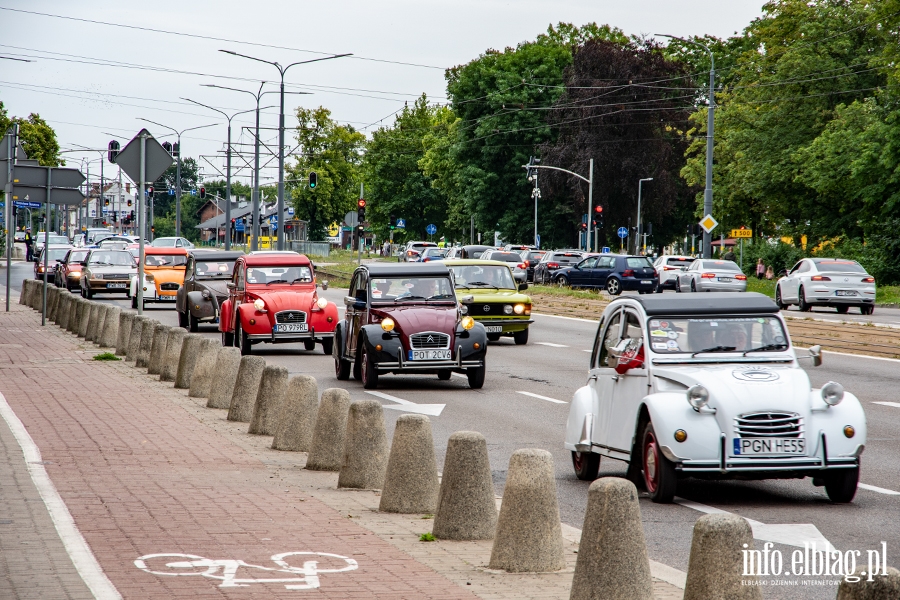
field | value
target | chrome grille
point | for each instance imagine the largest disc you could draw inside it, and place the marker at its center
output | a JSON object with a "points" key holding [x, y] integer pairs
{"points": [[769, 424], [290, 316], [170, 287], [429, 340]]}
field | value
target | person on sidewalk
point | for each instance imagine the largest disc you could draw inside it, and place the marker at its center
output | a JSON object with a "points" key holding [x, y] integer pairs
{"points": [[29, 244], [729, 255], [760, 269]]}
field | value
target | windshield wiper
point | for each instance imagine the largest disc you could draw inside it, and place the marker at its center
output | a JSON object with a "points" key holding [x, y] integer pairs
{"points": [[276, 281], [301, 280], [104, 264], [411, 297], [482, 283], [714, 349], [439, 297], [766, 347]]}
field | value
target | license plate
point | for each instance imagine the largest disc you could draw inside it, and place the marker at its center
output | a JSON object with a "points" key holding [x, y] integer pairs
{"points": [[429, 355], [769, 446], [845, 293], [291, 328], [111, 286], [725, 279], [493, 328], [647, 282]]}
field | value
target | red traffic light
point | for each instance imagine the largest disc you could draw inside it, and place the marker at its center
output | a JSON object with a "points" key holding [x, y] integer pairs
{"points": [[598, 209], [361, 203], [203, 193]]}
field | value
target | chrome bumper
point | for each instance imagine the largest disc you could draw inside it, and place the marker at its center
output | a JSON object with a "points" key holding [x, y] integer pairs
{"points": [[427, 365], [277, 338]]}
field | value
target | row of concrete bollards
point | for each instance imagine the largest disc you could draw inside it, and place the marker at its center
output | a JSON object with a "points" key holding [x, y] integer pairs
{"points": [[351, 439]]}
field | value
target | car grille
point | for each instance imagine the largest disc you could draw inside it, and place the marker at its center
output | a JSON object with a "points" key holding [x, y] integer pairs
{"points": [[769, 424], [116, 276], [169, 287], [429, 340], [290, 316], [483, 310]]}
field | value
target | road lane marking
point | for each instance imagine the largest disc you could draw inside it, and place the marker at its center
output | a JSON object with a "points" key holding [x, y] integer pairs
{"points": [[538, 396], [552, 345], [534, 314], [861, 356], [406, 406], [588, 350], [791, 534], [880, 490], [894, 404], [76, 546]]}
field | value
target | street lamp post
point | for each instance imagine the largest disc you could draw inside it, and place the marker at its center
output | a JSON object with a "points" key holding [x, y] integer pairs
{"points": [[588, 180], [710, 134], [637, 241], [282, 71], [177, 169]]}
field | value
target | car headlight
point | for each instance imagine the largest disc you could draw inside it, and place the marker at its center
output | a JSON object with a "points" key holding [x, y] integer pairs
{"points": [[74, 273], [463, 309], [467, 323], [698, 396], [832, 393], [206, 295], [508, 309], [321, 302], [387, 324], [519, 309], [258, 304]]}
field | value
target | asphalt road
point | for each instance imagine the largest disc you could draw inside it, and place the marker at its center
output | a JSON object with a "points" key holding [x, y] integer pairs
{"points": [[554, 364]]}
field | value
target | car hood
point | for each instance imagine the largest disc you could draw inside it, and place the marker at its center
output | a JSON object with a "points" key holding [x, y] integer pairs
{"points": [[736, 389], [418, 318], [164, 275], [111, 269], [277, 301], [219, 287], [491, 295]]}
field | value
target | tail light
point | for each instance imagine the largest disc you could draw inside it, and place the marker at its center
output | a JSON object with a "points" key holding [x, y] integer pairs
{"points": [[552, 265], [655, 273], [628, 273], [522, 265], [708, 276], [868, 280], [741, 277], [667, 268], [820, 278]]}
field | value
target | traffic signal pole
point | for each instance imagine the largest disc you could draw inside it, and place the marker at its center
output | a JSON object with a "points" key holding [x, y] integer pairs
{"points": [[537, 193]]}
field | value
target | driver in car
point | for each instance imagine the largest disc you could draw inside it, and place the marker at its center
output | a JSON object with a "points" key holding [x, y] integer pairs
{"points": [[423, 288], [734, 336]]}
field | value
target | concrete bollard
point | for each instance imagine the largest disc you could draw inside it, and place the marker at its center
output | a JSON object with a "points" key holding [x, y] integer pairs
{"points": [[466, 508], [882, 587], [716, 565], [77, 315], [93, 318], [205, 369], [30, 287], [97, 327], [187, 360], [612, 557], [126, 319], [134, 339], [327, 451], [85, 320], [52, 299], [158, 349], [142, 360], [110, 328], [168, 369], [269, 400], [71, 312], [62, 310], [529, 536], [228, 361], [411, 482], [246, 387], [294, 430], [365, 447], [23, 293]]}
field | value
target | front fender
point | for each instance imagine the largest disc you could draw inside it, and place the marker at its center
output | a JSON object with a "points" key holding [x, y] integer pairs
{"points": [[325, 320], [247, 312], [670, 411], [580, 408], [831, 421], [225, 313], [200, 307]]}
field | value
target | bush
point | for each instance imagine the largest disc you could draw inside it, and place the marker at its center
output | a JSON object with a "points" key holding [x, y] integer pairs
{"points": [[779, 256]]}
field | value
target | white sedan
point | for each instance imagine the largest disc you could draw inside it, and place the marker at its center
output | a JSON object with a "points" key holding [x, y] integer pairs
{"points": [[710, 275], [836, 282], [680, 386]]}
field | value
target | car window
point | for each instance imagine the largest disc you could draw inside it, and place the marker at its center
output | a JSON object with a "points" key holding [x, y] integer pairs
{"points": [[78, 256], [567, 258], [535, 256], [587, 263], [482, 276], [610, 339], [638, 262], [238, 278], [285, 274], [606, 262], [679, 262], [693, 335], [189, 269], [165, 260], [57, 254], [840, 266], [213, 269]]}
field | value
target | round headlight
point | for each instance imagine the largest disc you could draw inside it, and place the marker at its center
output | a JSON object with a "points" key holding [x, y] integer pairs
{"points": [[463, 309], [698, 396], [321, 302], [519, 309], [467, 323], [206, 295], [832, 393], [258, 304], [387, 324], [508, 309]]}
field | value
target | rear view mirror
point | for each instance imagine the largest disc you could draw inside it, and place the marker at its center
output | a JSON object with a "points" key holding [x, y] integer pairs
{"points": [[523, 287]]}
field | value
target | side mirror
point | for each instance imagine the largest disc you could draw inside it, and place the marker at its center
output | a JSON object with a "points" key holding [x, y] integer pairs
{"points": [[815, 352], [523, 287], [83, 263], [325, 285], [470, 299], [230, 285]]}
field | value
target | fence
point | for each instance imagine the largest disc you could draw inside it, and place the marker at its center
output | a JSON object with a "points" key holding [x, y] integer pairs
{"points": [[316, 248]]}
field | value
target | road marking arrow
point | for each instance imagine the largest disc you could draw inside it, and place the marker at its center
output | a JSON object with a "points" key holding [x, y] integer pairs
{"points": [[406, 406]]}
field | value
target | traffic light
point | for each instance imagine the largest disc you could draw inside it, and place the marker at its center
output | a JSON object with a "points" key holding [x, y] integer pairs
{"points": [[176, 150], [167, 147], [584, 226], [202, 193], [361, 210], [313, 180], [129, 202], [113, 151], [149, 190], [392, 221], [106, 202], [531, 172], [152, 229]]}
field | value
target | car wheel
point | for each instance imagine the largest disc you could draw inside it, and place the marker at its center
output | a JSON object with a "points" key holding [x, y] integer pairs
{"points": [[843, 309], [841, 484], [586, 465], [801, 301], [613, 287], [182, 317], [521, 337], [444, 374], [88, 293], [476, 376], [369, 367], [341, 366], [327, 346], [493, 337], [134, 304], [659, 472], [781, 305], [660, 289], [227, 339], [193, 323], [693, 285], [677, 286], [562, 280], [309, 345], [243, 339], [867, 309]]}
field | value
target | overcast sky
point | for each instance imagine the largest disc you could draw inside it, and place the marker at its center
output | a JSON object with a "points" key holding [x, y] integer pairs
{"points": [[86, 102]]}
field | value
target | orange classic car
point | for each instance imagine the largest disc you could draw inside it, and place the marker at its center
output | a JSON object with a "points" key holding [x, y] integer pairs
{"points": [[163, 275]]}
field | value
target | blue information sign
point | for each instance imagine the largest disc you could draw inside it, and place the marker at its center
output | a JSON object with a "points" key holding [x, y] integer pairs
{"points": [[401, 224], [605, 250], [431, 229], [623, 232], [27, 204], [171, 191]]}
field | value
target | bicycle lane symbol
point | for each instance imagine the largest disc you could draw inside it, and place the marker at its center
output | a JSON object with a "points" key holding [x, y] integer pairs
{"points": [[226, 570]]}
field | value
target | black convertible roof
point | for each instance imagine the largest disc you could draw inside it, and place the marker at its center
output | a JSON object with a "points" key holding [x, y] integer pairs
{"points": [[215, 255], [401, 269], [706, 303]]}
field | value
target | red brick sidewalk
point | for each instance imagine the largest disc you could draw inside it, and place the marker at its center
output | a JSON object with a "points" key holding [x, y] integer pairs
{"points": [[141, 476]]}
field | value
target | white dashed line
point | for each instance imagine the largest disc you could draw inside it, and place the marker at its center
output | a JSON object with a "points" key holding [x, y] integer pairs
{"points": [[539, 397], [894, 404], [880, 490], [551, 344]]}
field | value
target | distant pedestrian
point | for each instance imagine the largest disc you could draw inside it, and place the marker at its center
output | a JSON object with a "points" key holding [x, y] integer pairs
{"points": [[29, 244], [770, 273], [761, 269], [729, 255]]}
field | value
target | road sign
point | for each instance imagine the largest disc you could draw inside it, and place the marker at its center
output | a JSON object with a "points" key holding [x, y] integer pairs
{"points": [[431, 229], [39, 194], [193, 192], [27, 204], [351, 218], [273, 219], [239, 225], [623, 232], [537, 240], [401, 224], [171, 191], [604, 250], [291, 211], [708, 223], [742, 233], [93, 212], [333, 229], [156, 161], [37, 176]]}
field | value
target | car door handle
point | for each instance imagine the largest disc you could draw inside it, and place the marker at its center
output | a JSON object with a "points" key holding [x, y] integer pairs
{"points": [[614, 377], [592, 378]]}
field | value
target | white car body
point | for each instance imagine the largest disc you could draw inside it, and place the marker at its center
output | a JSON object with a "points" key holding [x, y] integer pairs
{"points": [[711, 275], [768, 389], [837, 282], [669, 266]]}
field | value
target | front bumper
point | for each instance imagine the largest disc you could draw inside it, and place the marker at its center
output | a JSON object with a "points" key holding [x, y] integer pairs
{"points": [[401, 365], [290, 338], [721, 287], [508, 325], [634, 285]]}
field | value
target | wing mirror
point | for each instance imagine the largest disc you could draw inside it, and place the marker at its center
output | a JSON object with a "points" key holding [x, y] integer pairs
{"points": [[230, 285], [523, 287], [815, 354], [350, 301]]}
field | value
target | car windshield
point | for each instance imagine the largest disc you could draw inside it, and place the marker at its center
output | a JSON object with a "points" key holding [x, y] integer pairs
{"points": [[165, 260], [534, 256], [430, 252], [57, 254], [476, 253], [410, 289], [483, 276], [840, 266], [288, 274], [719, 334], [78, 256], [638, 262], [55, 239], [214, 269], [565, 258], [720, 265], [680, 262], [117, 258], [163, 243], [505, 257]]}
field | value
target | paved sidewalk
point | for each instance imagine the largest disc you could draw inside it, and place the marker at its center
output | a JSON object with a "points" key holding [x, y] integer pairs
{"points": [[145, 470]]}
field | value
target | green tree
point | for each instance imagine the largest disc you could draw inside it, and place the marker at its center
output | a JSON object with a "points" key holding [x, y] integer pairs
{"points": [[38, 139], [333, 152]]}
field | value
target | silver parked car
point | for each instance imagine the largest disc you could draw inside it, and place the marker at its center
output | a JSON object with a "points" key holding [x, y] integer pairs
{"points": [[834, 282], [711, 276]]}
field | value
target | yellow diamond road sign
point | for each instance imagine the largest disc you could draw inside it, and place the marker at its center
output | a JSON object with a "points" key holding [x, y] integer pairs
{"points": [[708, 223], [742, 233]]}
